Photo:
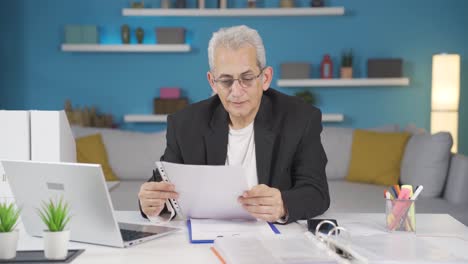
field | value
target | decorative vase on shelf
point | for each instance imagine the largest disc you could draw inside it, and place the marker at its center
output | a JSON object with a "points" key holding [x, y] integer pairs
{"points": [[287, 3], [222, 4], [346, 71], [201, 4], [165, 3], [140, 35], [125, 34], [181, 4], [326, 67], [251, 3]]}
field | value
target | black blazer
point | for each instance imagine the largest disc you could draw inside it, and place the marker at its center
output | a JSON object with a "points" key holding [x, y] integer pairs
{"points": [[288, 149]]}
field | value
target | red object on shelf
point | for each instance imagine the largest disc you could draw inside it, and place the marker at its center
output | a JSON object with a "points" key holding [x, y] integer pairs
{"points": [[326, 67]]}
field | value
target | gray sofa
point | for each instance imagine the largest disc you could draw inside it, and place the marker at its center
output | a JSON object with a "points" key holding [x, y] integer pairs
{"points": [[427, 160]]}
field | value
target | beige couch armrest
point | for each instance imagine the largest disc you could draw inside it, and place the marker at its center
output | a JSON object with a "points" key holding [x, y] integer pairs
{"points": [[456, 189]]}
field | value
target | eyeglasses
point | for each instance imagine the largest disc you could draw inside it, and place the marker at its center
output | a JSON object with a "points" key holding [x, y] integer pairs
{"points": [[245, 81]]}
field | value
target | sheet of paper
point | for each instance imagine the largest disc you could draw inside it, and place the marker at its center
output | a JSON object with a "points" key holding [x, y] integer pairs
{"points": [[210, 229], [273, 249], [209, 191]]}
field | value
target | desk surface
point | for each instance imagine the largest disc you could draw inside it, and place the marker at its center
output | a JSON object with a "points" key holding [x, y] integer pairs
{"points": [[176, 248]]}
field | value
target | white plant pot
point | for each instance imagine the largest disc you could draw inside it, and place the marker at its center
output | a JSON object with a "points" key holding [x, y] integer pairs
{"points": [[56, 244], [8, 244]]}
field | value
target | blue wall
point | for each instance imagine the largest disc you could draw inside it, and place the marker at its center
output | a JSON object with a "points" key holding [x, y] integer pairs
{"points": [[35, 74]]}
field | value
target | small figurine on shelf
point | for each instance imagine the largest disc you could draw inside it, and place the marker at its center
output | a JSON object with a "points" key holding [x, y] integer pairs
{"points": [[287, 3], [140, 34], [251, 3], [317, 3], [125, 34], [165, 3], [326, 67], [346, 70]]}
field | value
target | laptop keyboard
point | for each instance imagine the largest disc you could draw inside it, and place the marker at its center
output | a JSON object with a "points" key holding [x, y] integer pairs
{"points": [[130, 235]]}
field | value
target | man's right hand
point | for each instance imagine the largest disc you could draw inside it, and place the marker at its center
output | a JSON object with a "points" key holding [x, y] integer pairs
{"points": [[153, 196]]}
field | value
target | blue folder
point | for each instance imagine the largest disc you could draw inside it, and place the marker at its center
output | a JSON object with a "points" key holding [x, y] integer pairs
{"points": [[189, 226]]}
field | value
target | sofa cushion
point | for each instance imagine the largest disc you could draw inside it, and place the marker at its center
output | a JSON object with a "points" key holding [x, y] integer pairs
{"points": [[337, 143], [376, 157], [91, 149], [132, 155], [426, 162]]}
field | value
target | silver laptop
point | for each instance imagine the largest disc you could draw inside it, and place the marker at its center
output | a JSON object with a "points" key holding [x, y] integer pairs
{"points": [[84, 188]]}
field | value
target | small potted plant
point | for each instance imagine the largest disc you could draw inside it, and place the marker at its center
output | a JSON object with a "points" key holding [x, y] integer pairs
{"points": [[307, 96], [9, 215], [347, 65], [55, 216]]}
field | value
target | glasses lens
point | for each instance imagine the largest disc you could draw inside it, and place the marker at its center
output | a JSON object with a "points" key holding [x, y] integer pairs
{"points": [[226, 83]]}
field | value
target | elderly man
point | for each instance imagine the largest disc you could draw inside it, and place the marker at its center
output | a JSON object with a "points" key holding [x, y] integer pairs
{"points": [[275, 137]]}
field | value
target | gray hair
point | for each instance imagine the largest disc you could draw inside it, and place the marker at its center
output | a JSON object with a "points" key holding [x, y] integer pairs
{"points": [[235, 38]]}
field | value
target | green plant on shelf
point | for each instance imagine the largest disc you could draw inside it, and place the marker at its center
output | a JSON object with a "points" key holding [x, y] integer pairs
{"points": [[9, 215], [307, 96], [55, 215], [347, 59]]}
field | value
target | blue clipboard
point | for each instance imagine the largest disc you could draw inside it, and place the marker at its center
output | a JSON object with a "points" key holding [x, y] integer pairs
{"points": [[189, 226]]}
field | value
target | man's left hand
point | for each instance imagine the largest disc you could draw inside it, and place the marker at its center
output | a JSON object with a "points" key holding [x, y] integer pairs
{"points": [[264, 203]]}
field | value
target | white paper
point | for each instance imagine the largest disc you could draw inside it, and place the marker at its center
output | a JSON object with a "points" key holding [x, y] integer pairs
{"points": [[276, 249], [209, 192], [210, 229]]}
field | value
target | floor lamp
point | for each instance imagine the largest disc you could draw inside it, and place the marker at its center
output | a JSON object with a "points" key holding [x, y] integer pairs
{"points": [[445, 95]]}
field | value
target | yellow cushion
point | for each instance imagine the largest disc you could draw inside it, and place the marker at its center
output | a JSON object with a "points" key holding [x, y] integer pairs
{"points": [[376, 157], [91, 149]]}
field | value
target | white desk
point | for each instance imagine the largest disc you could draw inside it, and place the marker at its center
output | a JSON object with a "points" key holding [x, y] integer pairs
{"points": [[176, 248]]}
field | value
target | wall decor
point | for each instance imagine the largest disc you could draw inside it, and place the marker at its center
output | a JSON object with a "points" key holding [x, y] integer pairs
{"points": [[169, 106], [201, 4], [140, 35], [287, 3], [125, 34], [295, 70], [317, 3], [384, 68], [138, 4], [165, 3], [81, 34], [181, 4], [170, 35], [346, 71], [251, 3], [87, 116], [326, 67]]}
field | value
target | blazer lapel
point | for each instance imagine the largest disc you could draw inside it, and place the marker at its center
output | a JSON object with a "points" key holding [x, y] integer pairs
{"points": [[216, 138], [264, 141]]}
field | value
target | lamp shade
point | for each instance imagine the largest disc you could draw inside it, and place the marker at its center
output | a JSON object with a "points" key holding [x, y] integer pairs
{"points": [[445, 82]]}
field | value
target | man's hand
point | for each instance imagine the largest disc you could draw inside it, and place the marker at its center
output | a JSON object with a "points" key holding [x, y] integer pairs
{"points": [[264, 203], [153, 196]]}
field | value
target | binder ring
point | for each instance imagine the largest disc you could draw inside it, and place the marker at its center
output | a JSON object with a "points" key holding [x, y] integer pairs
{"points": [[319, 235], [335, 232]]}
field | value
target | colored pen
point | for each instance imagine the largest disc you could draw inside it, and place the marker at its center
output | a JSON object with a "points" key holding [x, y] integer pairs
{"points": [[417, 192]]}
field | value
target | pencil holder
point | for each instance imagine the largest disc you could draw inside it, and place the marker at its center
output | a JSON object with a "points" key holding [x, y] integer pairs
{"points": [[400, 215]]}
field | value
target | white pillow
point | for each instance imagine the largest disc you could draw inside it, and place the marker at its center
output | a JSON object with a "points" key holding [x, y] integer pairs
{"points": [[132, 155]]}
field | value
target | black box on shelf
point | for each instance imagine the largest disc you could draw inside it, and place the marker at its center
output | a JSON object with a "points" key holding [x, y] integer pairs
{"points": [[384, 68], [169, 106]]}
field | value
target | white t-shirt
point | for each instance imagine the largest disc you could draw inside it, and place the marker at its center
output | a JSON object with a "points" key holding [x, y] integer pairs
{"points": [[241, 151]]}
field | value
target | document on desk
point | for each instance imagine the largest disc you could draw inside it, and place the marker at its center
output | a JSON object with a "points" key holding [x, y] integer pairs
{"points": [[207, 230], [275, 250], [209, 192]]}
